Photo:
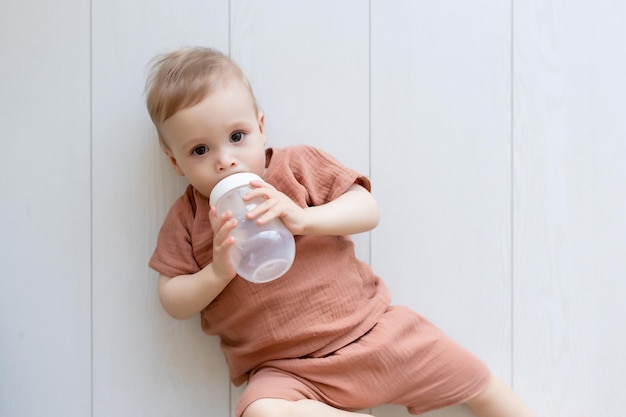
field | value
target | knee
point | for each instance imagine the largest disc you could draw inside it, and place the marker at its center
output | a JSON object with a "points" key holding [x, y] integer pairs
{"points": [[269, 407], [498, 400]]}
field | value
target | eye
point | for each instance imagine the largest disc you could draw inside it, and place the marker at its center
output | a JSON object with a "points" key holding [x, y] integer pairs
{"points": [[200, 150], [236, 137]]}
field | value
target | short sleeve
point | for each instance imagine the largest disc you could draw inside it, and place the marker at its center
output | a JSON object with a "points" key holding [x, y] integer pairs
{"points": [[174, 254], [320, 176]]}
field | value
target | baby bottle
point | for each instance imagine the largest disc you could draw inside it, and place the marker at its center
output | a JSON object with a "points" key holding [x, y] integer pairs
{"points": [[261, 253]]}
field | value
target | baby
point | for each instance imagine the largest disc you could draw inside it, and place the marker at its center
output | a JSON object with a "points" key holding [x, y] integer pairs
{"points": [[322, 340]]}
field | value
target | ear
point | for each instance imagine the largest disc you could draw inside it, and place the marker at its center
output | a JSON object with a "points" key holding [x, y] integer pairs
{"points": [[172, 158], [261, 118]]}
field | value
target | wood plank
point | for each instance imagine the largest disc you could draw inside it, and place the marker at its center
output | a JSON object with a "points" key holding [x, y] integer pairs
{"points": [[308, 65], [441, 168], [570, 200], [145, 362], [45, 210], [309, 71]]}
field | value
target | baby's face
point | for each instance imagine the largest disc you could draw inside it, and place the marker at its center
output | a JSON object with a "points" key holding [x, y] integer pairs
{"points": [[220, 136]]}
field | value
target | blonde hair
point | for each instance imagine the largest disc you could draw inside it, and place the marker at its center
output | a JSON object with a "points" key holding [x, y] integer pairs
{"points": [[183, 78]]}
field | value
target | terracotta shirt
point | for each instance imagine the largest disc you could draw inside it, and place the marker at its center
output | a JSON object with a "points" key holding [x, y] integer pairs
{"points": [[326, 300]]}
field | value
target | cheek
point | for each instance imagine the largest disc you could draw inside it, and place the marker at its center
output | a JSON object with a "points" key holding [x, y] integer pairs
{"points": [[259, 157]]}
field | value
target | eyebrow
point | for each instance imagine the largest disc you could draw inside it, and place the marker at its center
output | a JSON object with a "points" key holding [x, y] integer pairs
{"points": [[239, 123]]}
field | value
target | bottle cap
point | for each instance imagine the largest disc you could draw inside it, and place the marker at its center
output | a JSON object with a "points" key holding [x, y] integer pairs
{"points": [[229, 183]]}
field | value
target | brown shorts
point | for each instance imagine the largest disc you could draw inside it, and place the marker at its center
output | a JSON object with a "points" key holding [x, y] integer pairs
{"points": [[403, 360]]}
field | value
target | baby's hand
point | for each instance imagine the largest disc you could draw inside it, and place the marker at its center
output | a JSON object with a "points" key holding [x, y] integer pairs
{"points": [[222, 242], [276, 205]]}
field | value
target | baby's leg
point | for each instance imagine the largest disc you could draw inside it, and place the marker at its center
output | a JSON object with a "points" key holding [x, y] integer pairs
{"points": [[275, 407], [498, 400]]}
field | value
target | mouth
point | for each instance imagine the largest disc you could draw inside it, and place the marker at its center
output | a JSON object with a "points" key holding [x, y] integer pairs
{"points": [[229, 173]]}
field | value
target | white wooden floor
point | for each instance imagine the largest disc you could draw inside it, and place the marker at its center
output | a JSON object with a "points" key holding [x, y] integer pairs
{"points": [[494, 133]]}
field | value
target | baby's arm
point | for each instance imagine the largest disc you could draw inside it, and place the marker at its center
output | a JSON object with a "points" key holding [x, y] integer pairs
{"points": [[186, 295], [354, 211]]}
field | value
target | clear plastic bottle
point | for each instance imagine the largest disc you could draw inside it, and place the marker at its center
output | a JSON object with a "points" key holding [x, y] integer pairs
{"points": [[261, 253]]}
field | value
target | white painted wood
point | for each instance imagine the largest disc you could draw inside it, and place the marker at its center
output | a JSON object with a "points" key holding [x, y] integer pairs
{"points": [[435, 78], [310, 73], [570, 201], [308, 63], [145, 362], [441, 168], [45, 262]]}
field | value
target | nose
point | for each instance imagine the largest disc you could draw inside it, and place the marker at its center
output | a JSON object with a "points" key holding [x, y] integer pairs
{"points": [[225, 161]]}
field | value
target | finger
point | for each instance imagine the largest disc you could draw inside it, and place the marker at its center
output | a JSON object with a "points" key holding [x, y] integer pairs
{"points": [[218, 221], [269, 215], [213, 218], [223, 233], [259, 189], [262, 209], [221, 250], [260, 183]]}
